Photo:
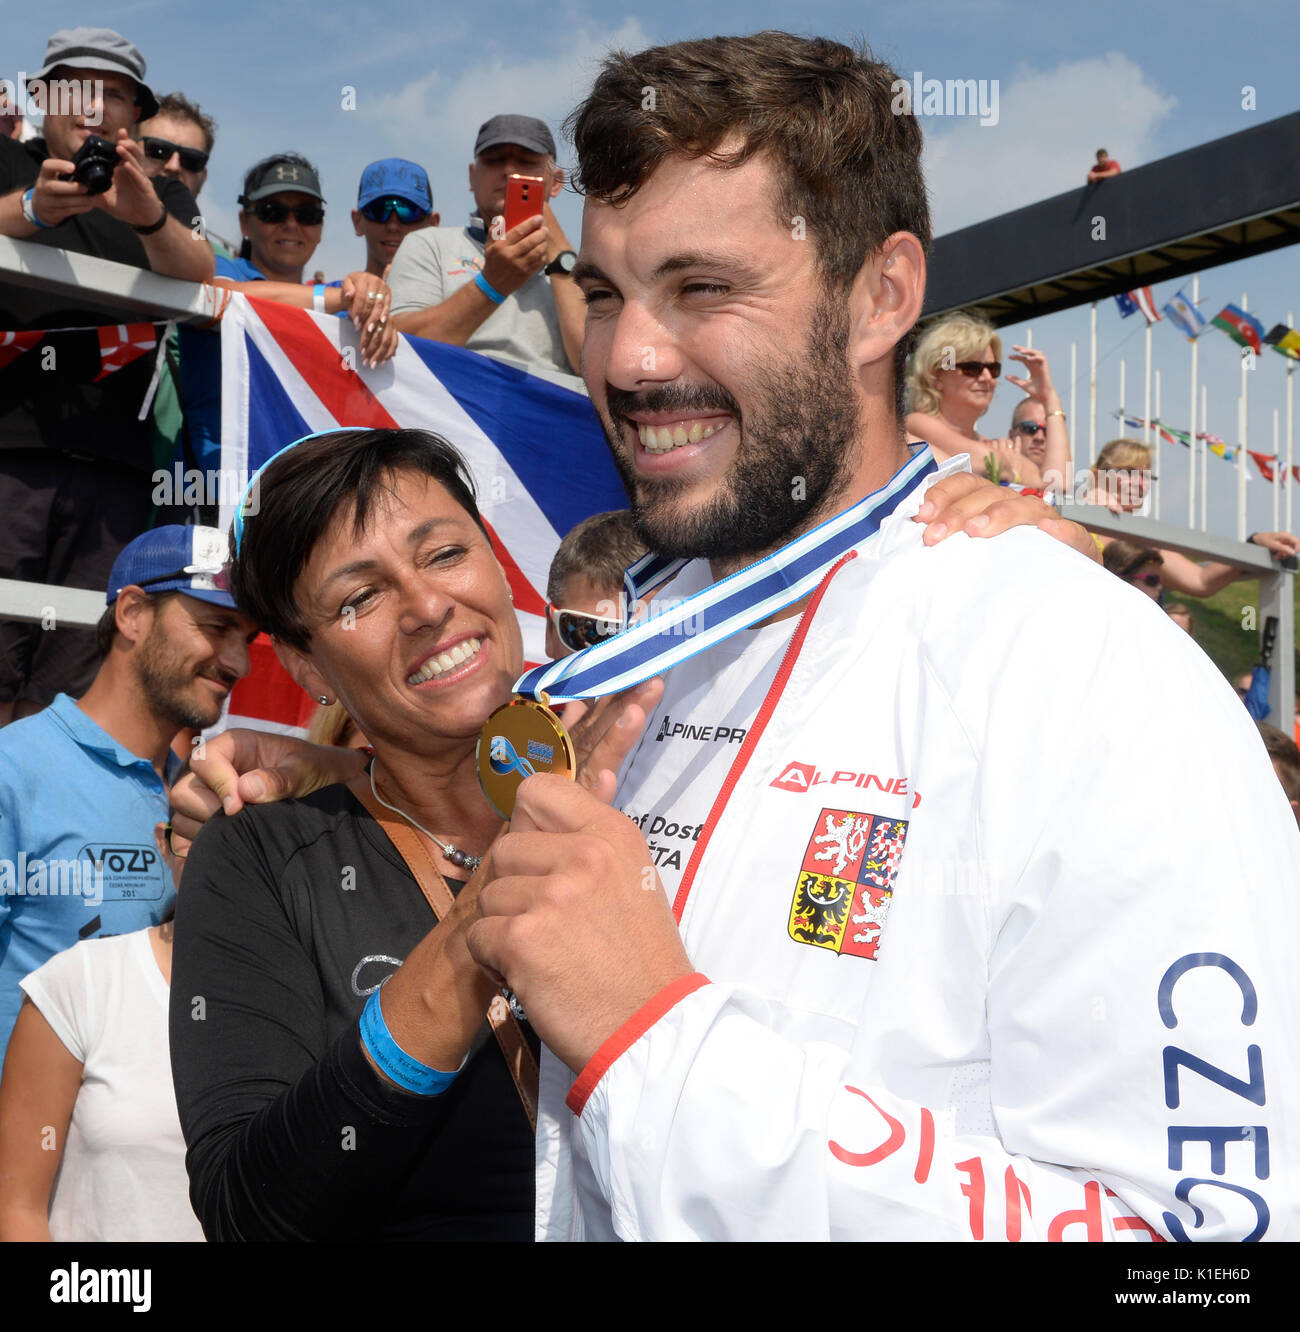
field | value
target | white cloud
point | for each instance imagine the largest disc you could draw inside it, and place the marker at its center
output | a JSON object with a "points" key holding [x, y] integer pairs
{"points": [[1051, 123], [447, 109]]}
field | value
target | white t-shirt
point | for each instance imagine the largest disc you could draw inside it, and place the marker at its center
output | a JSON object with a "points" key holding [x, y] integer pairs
{"points": [[122, 1176]]}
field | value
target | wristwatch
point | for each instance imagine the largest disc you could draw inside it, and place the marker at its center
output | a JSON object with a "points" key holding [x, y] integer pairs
{"points": [[563, 264]]}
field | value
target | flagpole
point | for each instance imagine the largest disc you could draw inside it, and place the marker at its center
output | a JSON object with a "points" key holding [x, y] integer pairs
{"points": [[1191, 475], [1123, 389], [1205, 452], [1155, 453], [1290, 423], [1245, 432], [1092, 392], [1146, 394], [1277, 469]]}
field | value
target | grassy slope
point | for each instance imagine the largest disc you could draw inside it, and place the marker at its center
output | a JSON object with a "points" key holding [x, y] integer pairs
{"points": [[1218, 625]]}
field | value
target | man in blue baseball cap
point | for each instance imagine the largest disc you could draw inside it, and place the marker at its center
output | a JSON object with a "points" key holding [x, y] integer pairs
{"points": [[83, 783], [394, 199]]}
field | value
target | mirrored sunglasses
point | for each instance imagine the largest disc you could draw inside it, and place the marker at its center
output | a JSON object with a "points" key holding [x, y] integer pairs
{"points": [[578, 630], [161, 150], [378, 210], [271, 212]]}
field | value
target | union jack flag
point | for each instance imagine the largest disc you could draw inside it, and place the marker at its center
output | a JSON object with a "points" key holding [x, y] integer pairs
{"points": [[533, 444]]}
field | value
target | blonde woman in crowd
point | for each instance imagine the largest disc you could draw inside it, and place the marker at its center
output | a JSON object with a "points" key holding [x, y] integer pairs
{"points": [[951, 381], [1120, 478]]}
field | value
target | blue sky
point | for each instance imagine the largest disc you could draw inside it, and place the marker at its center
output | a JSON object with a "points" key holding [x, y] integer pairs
{"points": [[1145, 81]]}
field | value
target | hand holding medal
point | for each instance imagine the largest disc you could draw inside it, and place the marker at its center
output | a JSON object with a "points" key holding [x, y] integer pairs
{"points": [[587, 743]]}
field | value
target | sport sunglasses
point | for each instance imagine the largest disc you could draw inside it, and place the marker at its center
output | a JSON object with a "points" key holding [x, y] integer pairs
{"points": [[974, 369], [578, 629], [308, 214], [160, 150], [378, 210], [1029, 427]]}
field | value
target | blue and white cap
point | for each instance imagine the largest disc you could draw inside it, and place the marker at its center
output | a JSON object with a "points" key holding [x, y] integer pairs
{"points": [[395, 175], [175, 559]]}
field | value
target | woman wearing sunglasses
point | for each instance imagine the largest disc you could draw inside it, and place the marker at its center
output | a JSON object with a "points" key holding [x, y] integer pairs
{"points": [[281, 217], [1137, 566], [951, 380], [1119, 479]]}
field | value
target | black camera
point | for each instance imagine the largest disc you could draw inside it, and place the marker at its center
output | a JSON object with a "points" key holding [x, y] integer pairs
{"points": [[94, 164]]}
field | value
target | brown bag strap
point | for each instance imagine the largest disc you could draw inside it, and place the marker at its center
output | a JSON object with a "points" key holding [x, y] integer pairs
{"points": [[505, 1027]]}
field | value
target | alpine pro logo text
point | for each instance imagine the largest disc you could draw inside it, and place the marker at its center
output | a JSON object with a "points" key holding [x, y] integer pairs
{"points": [[802, 777], [671, 730]]}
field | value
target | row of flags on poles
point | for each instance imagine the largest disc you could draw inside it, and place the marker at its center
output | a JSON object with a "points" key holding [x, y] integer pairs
{"points": [[1270, 467], [1242, 327]]}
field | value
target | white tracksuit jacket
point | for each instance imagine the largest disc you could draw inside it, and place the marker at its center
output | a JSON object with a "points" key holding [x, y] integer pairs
{"points": [[998, 910]]}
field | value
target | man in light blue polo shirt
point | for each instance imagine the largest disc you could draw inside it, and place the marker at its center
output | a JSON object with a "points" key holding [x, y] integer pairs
{"points": [[83, 783]]}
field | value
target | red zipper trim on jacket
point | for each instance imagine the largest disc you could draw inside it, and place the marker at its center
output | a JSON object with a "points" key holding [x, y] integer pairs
{"points": [[755, 733]]}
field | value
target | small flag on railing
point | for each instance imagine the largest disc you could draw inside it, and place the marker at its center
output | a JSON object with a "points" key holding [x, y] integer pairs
{"points": [[1130, 302], [1184, 315], [120, 344], [1244, 329], [1284, 340], [12, 345]]}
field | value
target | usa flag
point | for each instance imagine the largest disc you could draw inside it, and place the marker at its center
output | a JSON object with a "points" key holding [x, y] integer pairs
{"points": [[533, 444]]}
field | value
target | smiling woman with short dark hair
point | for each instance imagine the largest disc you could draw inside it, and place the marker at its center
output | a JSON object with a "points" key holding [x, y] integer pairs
{"points": [[311, 1108]]}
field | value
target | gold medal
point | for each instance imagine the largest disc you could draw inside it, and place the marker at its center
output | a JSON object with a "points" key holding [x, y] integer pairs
{"points": [[521, 738]]}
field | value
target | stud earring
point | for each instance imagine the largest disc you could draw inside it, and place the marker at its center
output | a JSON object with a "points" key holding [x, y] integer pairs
{"points": [[324, 700]]}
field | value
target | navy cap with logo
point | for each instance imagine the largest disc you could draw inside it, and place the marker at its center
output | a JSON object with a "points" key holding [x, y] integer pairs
{"points": [[280, 175], [175, 559], [395, 176], [527, 131], [98, 48]]}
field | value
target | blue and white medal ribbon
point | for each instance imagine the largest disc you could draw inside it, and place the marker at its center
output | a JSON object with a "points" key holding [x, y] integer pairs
{"points": [[744, 598]]}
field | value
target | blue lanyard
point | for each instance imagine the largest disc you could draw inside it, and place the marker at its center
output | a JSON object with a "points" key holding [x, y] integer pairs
{"points": [[760, 590]]}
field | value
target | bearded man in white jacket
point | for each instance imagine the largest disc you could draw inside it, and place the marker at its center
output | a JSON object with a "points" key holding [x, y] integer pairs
{"points": [[921, 914]]}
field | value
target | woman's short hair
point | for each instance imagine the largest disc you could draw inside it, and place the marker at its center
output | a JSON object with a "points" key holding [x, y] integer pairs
{"points": [[1125, 558], [959, 337], [1123, 455], [297, 497]]}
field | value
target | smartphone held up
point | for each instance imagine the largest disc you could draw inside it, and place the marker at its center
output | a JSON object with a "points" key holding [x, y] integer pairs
{"points": [[525, 197]]}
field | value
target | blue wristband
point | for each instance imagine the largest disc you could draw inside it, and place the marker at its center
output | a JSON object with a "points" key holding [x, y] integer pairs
{"points": [[393, 1061], [488, 289], [29, 211]]}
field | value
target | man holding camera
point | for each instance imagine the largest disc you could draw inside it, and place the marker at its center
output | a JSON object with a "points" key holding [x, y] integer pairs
{"points": [[74, 457]]}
